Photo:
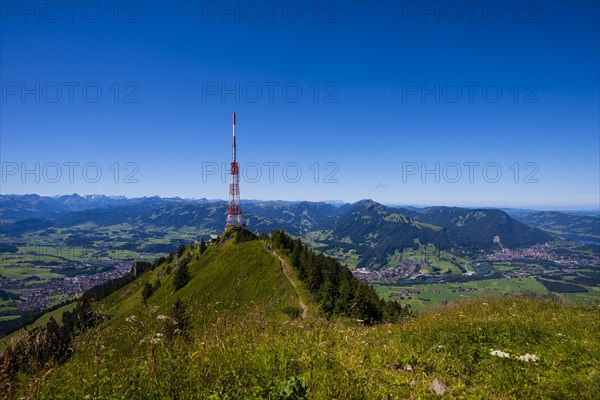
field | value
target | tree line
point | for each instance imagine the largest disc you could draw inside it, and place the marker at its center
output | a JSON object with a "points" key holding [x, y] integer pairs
{"points": [[333, 287], [50, 344]]}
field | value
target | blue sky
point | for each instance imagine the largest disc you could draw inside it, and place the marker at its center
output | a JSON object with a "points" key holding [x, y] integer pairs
{"points": [[424, 103]]}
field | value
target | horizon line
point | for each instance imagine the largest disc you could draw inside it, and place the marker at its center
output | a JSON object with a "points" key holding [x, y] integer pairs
{"points": [[562, 207]]}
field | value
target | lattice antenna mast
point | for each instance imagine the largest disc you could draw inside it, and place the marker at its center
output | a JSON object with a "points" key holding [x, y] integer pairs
{"points": [[234, 209]]}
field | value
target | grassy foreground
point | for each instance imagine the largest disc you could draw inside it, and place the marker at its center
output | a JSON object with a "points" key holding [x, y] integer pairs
{"points": [[242, 344], [234, 358]]}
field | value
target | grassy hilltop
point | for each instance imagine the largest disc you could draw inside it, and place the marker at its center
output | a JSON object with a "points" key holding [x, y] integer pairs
{"points": [[233, 330]]}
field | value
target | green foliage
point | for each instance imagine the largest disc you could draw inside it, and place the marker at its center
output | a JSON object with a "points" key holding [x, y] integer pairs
{"points": [[292, 311], [179, 324], [293, 389], [182, 276], [101, 291], [180, 250], [318, 360], [44, 346], [238, 344], [238, 235], [149, 289], [334, 287]]}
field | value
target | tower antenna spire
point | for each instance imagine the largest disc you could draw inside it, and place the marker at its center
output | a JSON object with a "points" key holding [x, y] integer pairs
{"points": [[234, 209]]}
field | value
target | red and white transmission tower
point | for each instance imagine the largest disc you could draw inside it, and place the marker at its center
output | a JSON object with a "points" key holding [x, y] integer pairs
{"points": [[234, 209]]}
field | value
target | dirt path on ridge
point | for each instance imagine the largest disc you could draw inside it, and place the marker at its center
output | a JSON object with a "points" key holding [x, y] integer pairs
{"points": [[287, 271]]}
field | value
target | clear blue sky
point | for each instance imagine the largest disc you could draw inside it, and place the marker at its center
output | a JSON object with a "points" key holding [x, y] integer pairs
{"points": [[388, 89]]}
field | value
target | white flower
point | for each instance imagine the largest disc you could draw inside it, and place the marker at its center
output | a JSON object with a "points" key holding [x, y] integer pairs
{"points": [[131, 319], [157, 338], [162, 318], [499, 353], [528, 357]]}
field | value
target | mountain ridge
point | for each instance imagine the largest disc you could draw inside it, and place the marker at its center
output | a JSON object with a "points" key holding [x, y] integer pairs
{"points": [[372, 228], [231, 332]]}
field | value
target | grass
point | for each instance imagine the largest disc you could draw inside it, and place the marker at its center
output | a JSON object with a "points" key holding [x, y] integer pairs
{"points": [[26, 272], [230, 281], [443, 260], [431, 295], [56, 314], [242, 274], [242, 346], [593, 294], [46, 246], [231, 358]]}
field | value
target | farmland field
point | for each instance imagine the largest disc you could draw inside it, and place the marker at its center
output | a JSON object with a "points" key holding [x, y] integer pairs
{"points": [[420, 297]]}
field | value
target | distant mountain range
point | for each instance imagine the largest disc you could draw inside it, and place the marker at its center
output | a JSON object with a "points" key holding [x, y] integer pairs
{"points": [[371, 229], [17, 207], [376, 232]]}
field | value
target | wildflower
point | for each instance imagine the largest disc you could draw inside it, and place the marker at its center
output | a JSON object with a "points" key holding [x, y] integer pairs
{"points": [[528, 357], [162, 318], [157, 338], [499, 353], [131, 319]]}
